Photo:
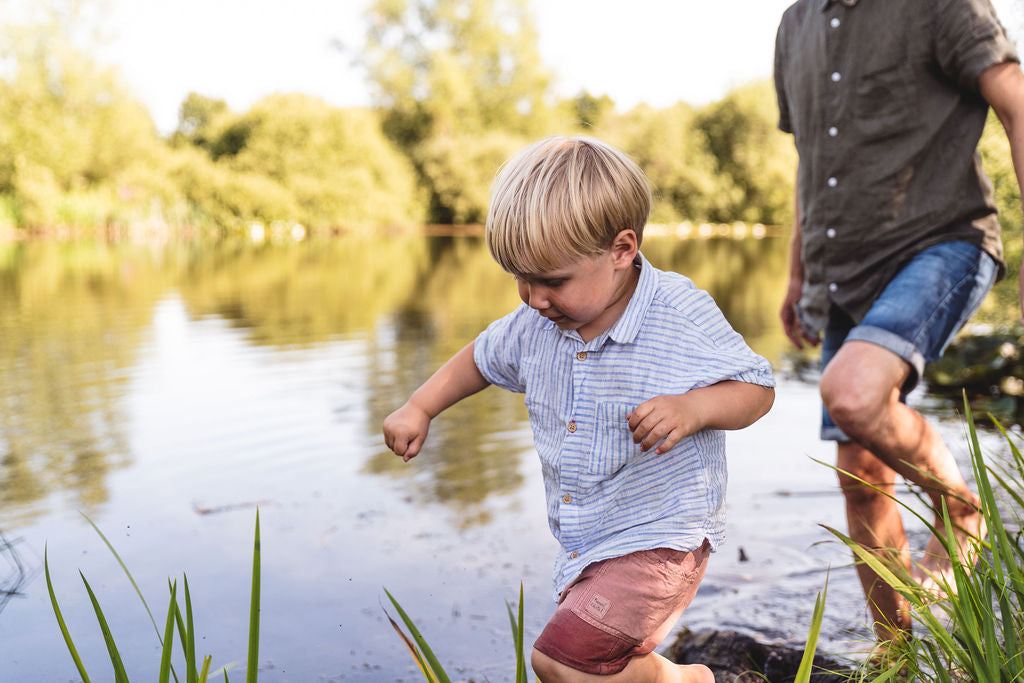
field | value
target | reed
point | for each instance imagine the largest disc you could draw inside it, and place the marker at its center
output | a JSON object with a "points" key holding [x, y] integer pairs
{"points": [[974, 630], [196, 670]]}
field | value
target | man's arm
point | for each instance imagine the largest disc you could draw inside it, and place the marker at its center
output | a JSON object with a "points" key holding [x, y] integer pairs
{"points": [[1002, 86], [790, 322], [406, 429], [726, 405]]}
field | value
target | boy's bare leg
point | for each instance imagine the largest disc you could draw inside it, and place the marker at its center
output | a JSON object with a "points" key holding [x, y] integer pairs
{"points": [[860, 388], [649, 668], [873, 520]]}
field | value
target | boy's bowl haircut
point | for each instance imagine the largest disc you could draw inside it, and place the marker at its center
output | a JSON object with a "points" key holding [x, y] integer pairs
{"points": [[561, 199]]}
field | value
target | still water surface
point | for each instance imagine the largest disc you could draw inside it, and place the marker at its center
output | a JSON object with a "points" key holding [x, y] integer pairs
{"points": [[166, 392]]}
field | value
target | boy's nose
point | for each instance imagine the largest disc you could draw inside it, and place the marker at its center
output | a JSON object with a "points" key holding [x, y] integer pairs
{"points": [[536, 296]]}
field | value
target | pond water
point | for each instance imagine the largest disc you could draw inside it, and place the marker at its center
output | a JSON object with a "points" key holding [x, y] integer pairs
{"points": [[167, 391]]}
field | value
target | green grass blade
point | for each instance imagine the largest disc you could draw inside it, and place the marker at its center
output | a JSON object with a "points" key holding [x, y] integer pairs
{"points": [[254, 609], [120, 676], [428, 654], [413, 650], [127, 573], [168, 640], [206, 669], [190, 639], [517, 637], [803, 673], [60, 621]]}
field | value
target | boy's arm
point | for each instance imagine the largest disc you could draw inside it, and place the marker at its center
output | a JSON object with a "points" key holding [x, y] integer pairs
{"points": [[726, 405], [406, 428]]}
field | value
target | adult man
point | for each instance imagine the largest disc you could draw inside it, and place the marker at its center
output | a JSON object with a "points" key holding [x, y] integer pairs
{"points": [[896, 240]]}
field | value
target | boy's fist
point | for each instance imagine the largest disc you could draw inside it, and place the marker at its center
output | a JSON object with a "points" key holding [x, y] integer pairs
{"points": [[405, 430]]}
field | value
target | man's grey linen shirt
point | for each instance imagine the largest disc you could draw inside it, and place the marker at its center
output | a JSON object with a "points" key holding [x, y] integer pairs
{"points": [[606, 498], [882, 99]]}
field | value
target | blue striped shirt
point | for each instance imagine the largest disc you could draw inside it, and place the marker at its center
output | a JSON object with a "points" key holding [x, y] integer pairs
{"points": [[606, 498]]}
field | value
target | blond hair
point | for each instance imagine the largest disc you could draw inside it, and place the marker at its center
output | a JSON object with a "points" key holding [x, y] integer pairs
{"points": [[561, 199]]}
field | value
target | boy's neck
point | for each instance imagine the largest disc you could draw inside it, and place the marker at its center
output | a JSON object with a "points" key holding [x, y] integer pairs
{"points": [[623, 295]]}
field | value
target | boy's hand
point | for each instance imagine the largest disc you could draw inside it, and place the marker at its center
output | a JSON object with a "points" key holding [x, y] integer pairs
{"points": [[405, 430], [671, 418]]}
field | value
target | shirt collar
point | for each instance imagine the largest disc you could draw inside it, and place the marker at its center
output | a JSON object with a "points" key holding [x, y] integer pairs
{"points": [[823, 4], [627, 327]]}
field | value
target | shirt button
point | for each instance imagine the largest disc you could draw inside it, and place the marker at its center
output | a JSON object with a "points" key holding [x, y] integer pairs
{"points": [[834, 23], [833, 131], [832, 182], [836, 76], [572, 427], [573, 555], [582, 355], [832, 287], [830, 233], [567, 498]]}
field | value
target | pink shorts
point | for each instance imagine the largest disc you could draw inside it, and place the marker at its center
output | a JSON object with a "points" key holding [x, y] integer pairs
{"points": [[622, 608]]}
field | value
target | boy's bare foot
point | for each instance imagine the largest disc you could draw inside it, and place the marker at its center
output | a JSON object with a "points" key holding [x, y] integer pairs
{"points": [[935, 570]]}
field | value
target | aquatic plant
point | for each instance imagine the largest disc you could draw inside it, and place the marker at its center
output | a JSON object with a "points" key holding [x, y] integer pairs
{"points": [[974, 629], [428, 663], [196, 671]]}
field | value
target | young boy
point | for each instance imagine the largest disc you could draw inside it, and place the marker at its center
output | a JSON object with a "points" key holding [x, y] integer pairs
{"points": [[629, 374]]}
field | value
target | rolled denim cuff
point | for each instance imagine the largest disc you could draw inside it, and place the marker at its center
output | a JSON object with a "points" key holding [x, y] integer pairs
{"points": [[898, 345]]}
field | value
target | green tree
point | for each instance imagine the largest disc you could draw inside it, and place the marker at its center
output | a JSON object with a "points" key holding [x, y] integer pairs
{"points": [[445, 66], [755, 157], [674, 155]]}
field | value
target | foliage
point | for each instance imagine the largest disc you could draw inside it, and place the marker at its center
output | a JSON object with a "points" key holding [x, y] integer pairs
{"points": [[975, 630], [444, 66], [752, 153], [427, 661], [673, 153], [196, 671]]}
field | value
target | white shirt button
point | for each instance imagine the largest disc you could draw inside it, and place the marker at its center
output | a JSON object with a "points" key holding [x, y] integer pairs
{"points": [[832, 182], [833, 131], [832, 287], [830, 233], [834, 23], [836, 76]]}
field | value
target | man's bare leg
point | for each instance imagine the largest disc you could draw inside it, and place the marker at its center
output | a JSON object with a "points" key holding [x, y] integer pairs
{"points": [[874, 521], [860, 388], [649, 668]]}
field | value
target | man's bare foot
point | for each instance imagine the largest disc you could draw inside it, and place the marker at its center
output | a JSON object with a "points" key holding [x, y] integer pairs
{"points": [[935, 570]]}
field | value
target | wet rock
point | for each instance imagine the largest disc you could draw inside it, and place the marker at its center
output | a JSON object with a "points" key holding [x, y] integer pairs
{"points": [[738, 658]]}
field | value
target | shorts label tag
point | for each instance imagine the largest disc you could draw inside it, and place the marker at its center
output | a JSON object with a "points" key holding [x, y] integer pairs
{"points": [[598, 606]]}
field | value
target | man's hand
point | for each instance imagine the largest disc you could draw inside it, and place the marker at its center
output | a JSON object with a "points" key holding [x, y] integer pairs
{"points": [[405, 430], [671, 418], [790, 322]]}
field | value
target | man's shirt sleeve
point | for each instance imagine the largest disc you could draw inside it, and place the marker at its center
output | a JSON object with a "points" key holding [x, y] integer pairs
{"points": [[969, 39]]}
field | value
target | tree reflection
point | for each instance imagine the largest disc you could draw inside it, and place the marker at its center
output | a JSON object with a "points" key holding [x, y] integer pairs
{"points": [[71, 318]]}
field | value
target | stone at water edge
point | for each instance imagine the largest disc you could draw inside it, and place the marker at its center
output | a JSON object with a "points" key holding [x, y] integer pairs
{"points": [[738, 658]]}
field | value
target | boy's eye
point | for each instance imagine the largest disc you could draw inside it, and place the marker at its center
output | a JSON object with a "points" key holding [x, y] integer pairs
{"points": [[553, 284]]}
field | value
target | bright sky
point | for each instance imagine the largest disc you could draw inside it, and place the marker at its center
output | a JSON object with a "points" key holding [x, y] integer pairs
{"points": [[654, 51]]}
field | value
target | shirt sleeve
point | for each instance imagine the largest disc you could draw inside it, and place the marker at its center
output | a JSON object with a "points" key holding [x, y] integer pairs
{"points": [[785, 124], [497, 350], [719, 351], [969, 39]]}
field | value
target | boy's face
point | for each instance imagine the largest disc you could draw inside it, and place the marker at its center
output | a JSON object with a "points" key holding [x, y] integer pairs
{"points": [[587, 295]]}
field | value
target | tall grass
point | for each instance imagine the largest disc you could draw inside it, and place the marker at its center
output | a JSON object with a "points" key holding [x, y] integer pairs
{"points": [[196, 670], [974, 630]]}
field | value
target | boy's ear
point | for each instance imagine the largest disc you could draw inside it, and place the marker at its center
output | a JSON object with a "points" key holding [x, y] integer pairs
{"points": [[624, 248]]}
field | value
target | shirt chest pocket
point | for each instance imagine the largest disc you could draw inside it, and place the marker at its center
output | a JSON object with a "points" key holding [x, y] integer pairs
{"points": [[884, 104], [613, 441]]}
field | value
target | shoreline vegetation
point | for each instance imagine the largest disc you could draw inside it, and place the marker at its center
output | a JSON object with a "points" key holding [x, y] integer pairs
{"points": [[454, 94]]}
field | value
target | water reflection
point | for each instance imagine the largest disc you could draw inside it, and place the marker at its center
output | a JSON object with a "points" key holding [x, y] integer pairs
{"points": [[71, 318], [141, 384]]}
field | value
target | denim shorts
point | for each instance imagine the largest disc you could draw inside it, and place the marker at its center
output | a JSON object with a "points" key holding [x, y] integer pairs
{"points": [[917, 314]]}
